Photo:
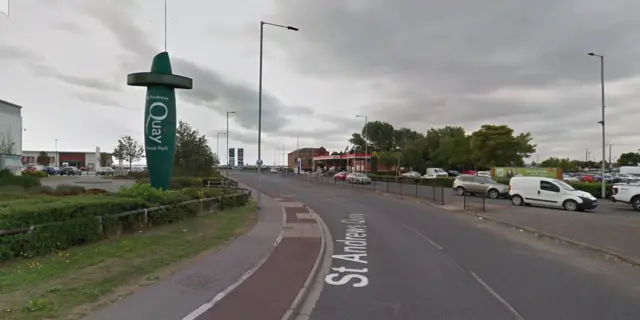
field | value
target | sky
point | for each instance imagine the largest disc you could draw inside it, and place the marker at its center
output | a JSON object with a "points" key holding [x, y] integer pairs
{"points": [[415, 64]]}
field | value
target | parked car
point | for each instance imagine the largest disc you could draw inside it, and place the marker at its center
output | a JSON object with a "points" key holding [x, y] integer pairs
{"points": [[484, 174], [358, 178], [341, 176], [472, 185], [273, 170], [105, 171], [411, 174], [52, 171], [453, 173], [569, 178], [70, 171], [548, 192]]}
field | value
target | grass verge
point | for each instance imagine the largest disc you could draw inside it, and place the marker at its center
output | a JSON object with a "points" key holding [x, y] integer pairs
{"points": [[68, 284]]}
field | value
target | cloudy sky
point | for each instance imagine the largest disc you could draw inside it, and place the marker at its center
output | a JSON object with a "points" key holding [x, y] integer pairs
{"points": [[418, 64]]}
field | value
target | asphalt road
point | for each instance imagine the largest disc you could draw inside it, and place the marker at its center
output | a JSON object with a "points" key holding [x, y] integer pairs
{"points": [[413, 261], [88, 182]]}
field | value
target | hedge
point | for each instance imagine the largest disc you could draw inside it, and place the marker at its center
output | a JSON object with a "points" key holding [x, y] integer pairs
{"points": [[9, 179], [78, 220]]}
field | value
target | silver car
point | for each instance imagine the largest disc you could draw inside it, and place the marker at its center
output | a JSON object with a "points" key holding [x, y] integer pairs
{"points": [[358, 178], [469, 184]]}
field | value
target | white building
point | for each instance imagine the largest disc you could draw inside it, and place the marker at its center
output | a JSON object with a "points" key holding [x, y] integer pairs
{"points": [[67, 158], [10, 128]]}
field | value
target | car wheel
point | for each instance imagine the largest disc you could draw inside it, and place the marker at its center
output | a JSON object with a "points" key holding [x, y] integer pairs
{"points": [[635, 203], [570, 205], [460, 191], [517, 201], [493, 194]]}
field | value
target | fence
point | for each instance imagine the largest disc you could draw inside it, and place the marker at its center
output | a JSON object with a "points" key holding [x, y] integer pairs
{"points": [[422, 189], [43, 238]]}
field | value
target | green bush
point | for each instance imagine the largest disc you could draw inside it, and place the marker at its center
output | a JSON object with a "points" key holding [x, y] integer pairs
{"points": [[143, 191], [31, 213], [37, 174], [26, 182]]}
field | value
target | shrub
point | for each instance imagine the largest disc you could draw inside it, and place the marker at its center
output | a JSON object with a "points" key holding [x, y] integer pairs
{"points": [[37, 174], [143, 191], [138, 175], [26, 182]]}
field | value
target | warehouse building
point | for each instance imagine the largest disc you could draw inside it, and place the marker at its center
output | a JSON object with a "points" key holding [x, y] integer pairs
{"points": [[10, 128]]}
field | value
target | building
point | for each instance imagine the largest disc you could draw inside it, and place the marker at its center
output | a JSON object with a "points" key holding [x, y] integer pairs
{"points": [[10, 128], [306, 155], [68, 158]]}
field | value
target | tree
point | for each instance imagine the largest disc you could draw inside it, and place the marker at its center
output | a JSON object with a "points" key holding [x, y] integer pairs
{"points": [[496, 146], [403, 136], [6, 143], [565, 163], [627, 159], [416, 154], [448, 146], [128, 150], [379, 135], [193, 155], [358, 142], [43, 159]]}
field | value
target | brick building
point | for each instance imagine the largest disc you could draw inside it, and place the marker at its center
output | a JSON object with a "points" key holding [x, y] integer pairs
{"points": [[306, 154]]}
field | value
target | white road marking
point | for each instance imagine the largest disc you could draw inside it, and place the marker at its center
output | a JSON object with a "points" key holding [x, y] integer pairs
{"points": [[511, 309], [433, 243]]}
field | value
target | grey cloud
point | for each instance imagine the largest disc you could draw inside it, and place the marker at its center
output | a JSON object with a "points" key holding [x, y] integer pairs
{"points": [[445, 58], [16, 53], [86, 82], [210, 90], [100, 99], [68, 26]]}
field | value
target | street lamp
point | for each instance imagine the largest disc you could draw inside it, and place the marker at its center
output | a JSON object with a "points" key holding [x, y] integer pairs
{"points": [[57, 155], [218, 145], [366, 145], [259, 162], [604, 193], [227, 134]]}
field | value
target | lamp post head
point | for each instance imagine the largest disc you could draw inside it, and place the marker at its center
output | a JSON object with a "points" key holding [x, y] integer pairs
{"points": [[231, 112], [591, 54], [292, 28]]}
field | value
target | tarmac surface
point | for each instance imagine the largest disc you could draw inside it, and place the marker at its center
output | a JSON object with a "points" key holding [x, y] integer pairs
{"points": [[401, 259], [88, 182]]}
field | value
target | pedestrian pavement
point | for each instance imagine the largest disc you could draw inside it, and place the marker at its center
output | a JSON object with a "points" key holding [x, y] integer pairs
{"points": [[177, 296]]}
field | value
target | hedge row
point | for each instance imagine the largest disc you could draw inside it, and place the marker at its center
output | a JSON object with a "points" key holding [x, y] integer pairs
{"points": [[63, 222]]}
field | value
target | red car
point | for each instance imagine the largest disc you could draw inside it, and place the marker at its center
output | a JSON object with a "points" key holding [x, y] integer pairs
{"points": [[341, 176]]}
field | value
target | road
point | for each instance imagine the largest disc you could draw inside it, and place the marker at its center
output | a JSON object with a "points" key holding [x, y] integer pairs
{"points": [[398, 259], [88, 182]]}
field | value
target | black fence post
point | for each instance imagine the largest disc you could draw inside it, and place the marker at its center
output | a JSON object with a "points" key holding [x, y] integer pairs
{"points": [[434, 192], [464, 201], [417, 182], [387, 186], [442, 195], [400, 187]]}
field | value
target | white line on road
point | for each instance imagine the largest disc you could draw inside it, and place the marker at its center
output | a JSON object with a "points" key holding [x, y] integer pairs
{"points": [[424, 237], [498, 297]]}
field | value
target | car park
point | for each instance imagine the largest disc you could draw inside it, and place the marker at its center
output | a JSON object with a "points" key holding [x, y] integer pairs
{"points": [[469, 184], [548, 192], [70, 171]]}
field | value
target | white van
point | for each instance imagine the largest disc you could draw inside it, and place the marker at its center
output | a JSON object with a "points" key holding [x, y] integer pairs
{"points": [[547, 192], [437, 172]]}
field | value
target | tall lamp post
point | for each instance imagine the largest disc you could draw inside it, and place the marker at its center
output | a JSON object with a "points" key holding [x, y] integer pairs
{"points": [[259, 161], [604, 192], [366, 145], [57, 155], [218, 144], [227, 134]]}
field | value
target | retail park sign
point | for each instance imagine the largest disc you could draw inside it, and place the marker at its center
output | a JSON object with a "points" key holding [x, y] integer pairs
{"points": [[160, 116]]}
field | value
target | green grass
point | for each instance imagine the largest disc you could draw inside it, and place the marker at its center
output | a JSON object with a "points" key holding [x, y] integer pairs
{"points": [[68, 284]]}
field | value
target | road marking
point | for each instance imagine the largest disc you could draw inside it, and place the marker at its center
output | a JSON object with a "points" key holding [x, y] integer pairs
{"points": [[433, 243], [354, 251], [498, 297]]}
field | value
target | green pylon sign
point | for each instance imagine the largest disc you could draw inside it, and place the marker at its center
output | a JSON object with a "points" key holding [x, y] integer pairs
{"points": [[160, 116]]}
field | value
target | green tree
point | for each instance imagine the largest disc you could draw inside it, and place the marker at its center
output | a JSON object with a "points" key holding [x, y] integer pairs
{"points": [[379, 135], [358, 142], [128, 150], [629, 159], [416, 154], [448, 146], [43, 159], [193, 155], [403, 136], [496, 146], [566, 164]]}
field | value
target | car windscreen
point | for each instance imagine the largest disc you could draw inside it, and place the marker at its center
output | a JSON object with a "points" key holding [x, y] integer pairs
{"points": [[487, 180]]}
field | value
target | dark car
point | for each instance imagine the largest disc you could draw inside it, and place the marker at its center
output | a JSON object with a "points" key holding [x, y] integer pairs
{"points": [[70, 171], [52, 171]]}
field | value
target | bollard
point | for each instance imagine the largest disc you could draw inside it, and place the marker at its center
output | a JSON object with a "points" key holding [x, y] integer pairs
{"points": [[483, 202], [434, 192], [417, 182], [464, 201], [400, 183], [442, 196]]}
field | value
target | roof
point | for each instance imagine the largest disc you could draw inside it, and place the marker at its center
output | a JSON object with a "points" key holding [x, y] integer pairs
{"points": [[10, 104], [62, 151]]}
